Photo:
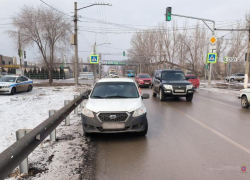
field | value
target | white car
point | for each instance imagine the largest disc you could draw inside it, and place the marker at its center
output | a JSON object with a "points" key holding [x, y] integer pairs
{"points": [[115, 106], [244, 95], [10, 84]]}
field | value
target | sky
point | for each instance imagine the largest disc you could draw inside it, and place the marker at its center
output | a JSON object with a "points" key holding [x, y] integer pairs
{"points": [[125, 16]]}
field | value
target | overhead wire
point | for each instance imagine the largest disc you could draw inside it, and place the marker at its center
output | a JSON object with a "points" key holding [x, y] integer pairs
{"points": [[55, 8]]}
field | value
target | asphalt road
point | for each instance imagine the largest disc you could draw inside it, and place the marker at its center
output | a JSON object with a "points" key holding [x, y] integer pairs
{"points": [[208, 138]]}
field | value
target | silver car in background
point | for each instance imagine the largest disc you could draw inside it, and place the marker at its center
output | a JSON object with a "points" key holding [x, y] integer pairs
{"points": [[12, 84], [236, 77]]}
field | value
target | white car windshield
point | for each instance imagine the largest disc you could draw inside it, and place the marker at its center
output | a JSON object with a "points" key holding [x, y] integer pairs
{"points": [[111, 90], [7, 79]]}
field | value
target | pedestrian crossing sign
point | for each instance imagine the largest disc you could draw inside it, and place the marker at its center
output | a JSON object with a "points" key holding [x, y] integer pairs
{"points": [[94, 59], [211, 57]]}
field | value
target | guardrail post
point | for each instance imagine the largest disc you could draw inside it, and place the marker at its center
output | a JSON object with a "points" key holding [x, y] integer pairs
{"points": [[53, 133], [76, 109], [24, 165], [67, 119], [81, 104]]}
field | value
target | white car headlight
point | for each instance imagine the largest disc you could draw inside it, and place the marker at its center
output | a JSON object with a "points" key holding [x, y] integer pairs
{"points": [[167, 86], [139, 111], [189, 86], [87, 112]]}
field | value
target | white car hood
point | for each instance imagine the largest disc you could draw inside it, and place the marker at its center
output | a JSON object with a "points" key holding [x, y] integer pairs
{"points": [[245, 90], [114, 105]]}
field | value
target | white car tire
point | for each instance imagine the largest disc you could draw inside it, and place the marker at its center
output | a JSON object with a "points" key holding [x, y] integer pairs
{"points": [[244, 102]]}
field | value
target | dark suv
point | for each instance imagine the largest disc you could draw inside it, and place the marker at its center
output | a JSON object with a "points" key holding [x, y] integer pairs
{"points": [[172, 83]]}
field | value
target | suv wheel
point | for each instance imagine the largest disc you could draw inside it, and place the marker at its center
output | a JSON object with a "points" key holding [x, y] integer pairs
{"points": [[162, 98], [145, 131], [232, 80], [244, 102], [189, 98]]}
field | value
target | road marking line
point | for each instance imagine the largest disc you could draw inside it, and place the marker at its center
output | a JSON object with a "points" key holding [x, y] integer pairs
{"points": [[214, 131], [220, 102]]}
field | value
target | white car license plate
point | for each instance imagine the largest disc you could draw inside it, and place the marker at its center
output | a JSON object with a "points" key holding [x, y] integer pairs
{"points": [[146, 83], [179, 90], [110, 125]]}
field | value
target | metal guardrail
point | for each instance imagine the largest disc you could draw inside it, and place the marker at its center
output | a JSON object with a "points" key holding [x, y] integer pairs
{"points": [[17, 152]]}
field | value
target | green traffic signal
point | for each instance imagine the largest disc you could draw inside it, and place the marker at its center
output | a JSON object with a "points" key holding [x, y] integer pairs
{"points": [[123, 53], [169, 17], [168, 13]]}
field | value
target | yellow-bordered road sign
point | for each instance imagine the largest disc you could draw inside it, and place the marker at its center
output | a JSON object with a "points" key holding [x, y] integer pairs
{"points": [[211, 57], [94, 59]]}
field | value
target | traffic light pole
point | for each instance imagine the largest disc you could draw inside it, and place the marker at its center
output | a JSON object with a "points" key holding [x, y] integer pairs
{"points": [[20, 51], [94, 73], [100, 57], [210, 69]]}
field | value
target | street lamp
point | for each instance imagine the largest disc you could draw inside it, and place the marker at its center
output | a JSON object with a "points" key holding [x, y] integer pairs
{"points": [[75, 36]]}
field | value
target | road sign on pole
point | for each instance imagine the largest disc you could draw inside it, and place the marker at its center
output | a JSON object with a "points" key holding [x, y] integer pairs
{"points": [[94, 59], [211, 57], [212, 40], [230, 59], [206, 66]]}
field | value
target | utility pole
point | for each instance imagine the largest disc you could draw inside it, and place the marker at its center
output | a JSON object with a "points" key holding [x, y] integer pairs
{"points": [[247, 60], [76, 46], [20, 50]]}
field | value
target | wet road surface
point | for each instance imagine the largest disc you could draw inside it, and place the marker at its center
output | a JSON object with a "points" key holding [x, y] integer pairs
{"points": [[208, 138]]}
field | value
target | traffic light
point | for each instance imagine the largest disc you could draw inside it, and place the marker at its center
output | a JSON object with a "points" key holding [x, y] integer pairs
{"points": [[123, 53], [168, 13], [24, 54]]}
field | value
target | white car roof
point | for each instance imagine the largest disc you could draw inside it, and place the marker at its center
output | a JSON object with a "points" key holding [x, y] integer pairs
{"points": [[116, 80]]}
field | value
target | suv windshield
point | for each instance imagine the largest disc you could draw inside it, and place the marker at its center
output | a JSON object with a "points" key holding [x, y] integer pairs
{"points": [[172, 76], [7, 79], [144, 76], [115, 90]]}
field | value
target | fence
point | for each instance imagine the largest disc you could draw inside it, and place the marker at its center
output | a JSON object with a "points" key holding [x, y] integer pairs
{"points": [[19, 151], [45, 76]]}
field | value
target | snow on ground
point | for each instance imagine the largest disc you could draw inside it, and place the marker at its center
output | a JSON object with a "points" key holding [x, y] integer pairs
{"points": [[222, 91], [62, 159], [71, 80]]}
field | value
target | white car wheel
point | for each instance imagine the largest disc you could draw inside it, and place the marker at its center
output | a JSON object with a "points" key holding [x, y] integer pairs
{"points": [[244, 102]]}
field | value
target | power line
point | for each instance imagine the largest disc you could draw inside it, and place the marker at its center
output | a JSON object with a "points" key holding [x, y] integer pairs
{"points": [[55, 9]]}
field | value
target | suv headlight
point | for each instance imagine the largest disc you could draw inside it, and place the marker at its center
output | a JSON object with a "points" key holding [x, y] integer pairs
{"points": [[189, 86], [139, 111], [167, 86], [87, 112]]}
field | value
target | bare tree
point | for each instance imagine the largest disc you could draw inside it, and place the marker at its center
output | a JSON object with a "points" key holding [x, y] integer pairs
{"points": [[45, 28], [195, 43]]}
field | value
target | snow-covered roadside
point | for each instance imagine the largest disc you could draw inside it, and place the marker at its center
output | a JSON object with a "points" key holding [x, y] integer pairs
{"points": [[60, 160], [222, 91]]}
